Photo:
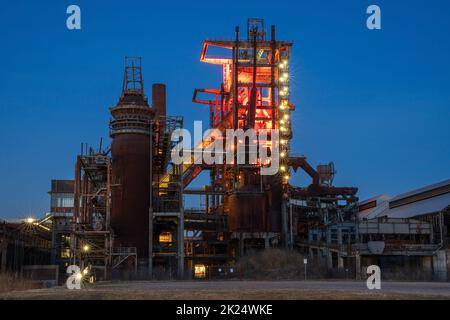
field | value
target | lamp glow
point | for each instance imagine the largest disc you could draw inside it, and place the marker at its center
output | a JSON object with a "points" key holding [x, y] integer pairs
{"points": [[30, 220]]}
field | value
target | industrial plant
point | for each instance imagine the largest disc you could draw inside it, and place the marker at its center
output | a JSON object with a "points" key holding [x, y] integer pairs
{"points": [[125, 213]]}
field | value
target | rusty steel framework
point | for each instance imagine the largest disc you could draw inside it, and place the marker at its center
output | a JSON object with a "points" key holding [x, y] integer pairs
{"points": [[24, 243], [255, 94], [91, 237], [129, 202], [166, 217]]}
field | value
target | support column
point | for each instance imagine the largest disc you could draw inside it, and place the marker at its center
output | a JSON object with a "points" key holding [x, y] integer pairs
{"points": [[150, 210], [53, 244], [427, 265], [291, 226], [267, 242], [329, 259], [310, 235], [328, 236], [150, 244], [339, 234], [328, 251], [358, 266], [241, 245], [284, 224], [339, 240], [4, 251], [180, 253], [340, 261], [440, 265]]}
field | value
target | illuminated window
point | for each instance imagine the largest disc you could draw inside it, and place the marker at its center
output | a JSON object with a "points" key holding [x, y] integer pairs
{"points": [[200, 271], [65, 253], [165, 237]]}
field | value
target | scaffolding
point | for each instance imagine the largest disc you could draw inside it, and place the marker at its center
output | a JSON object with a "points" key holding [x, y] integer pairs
{"points": [[91, 238], [254, 94], [206, 234], [22, 243], [166, 216]]}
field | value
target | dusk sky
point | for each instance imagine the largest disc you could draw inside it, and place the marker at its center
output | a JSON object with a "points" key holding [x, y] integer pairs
{"points": [[375, 102]]}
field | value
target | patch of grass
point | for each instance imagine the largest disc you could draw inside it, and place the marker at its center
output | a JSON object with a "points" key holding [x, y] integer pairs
{"points": [[277, 264], [13, 282]]}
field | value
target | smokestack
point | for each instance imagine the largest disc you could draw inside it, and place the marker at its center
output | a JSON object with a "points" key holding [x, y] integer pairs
{"points": [[159, 99], [130, 151]]}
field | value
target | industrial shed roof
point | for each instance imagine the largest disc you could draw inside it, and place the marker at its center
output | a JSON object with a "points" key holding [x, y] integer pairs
{"points": [[420, 208], [375, 212], [423, 203], [422, 190], [378, 199], [380, 203]]}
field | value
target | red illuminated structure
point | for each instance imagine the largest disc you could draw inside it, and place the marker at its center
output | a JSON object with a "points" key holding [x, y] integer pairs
{"points": [[255, 94]]}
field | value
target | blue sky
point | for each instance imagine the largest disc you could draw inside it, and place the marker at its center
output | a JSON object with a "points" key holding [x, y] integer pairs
{"points": [[377, 103]]}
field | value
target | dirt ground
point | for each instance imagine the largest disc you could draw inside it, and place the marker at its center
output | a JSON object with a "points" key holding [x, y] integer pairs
{"points": [[239, 290]]}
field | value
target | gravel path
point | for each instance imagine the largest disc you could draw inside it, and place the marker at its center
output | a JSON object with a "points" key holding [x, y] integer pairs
{"points": [[188, 290]]}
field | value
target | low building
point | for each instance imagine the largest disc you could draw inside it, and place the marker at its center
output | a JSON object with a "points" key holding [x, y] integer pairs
{"points": [[61, 212], [407, 236]]}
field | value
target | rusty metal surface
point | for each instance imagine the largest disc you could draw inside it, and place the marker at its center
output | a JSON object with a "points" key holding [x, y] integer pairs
{"points": [[274, 195], [61, 186], [130, 150], [159, 99], [251, 210], [247, 212], [130, 199]]}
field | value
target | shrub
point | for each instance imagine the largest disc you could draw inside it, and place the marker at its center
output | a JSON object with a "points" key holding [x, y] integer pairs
{"points": [[277, 264], [12, 282]]}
